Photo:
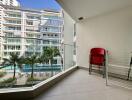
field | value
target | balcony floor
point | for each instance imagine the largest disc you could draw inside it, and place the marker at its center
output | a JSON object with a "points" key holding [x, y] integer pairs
{"points": [[82, 86]]}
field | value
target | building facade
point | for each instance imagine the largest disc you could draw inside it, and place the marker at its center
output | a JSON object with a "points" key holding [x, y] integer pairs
{"points": [[27, 31], [10, 2]]}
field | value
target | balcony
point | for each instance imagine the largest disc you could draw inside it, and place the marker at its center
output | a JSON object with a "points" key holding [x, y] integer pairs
{"points": [[12, 24], [77, 85], [50, 31], [14, 29], [32, 31], [101, 23], [50, 17], [12, 43], [18, 17], [33, 18], [50, 38], [49, 44], [81, 86]]}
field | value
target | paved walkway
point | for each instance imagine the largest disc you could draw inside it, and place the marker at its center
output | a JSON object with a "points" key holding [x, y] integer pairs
{"points": [[22, 80], [9, 75]]}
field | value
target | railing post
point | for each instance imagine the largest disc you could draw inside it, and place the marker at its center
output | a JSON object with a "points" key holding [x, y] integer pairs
{"points": [[106, 72], [64, 58]]}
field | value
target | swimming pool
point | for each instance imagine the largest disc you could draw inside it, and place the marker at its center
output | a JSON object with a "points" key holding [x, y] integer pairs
{"points": [[37, 68]]}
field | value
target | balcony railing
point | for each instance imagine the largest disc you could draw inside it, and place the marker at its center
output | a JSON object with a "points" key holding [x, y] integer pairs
{"points": [[12, 17], [41, 71], [12, 29], [30, 30], [50, 31], [12, 23]]}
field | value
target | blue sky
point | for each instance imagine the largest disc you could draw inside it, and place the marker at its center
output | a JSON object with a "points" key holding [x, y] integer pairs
{"points": [[40, 4]]}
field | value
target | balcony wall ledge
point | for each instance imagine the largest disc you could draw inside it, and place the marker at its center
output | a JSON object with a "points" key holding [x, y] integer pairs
{"points": [[27, 93]]}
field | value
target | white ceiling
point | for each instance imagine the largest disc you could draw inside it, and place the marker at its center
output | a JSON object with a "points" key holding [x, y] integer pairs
{"points": [[91, 8]]}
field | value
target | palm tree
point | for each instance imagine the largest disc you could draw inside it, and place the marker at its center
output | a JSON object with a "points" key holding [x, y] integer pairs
{"points": [[20, 62], [49, 53], [31, 61], [13, 60], [42, 59]]}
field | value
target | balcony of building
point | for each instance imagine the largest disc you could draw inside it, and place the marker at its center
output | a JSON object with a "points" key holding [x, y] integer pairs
{"points": [[33, 17], [48, 29], [28, 30], [13, 15], [52, 16], [15, 29], [105, 24], [81, 86], [12, 23]]}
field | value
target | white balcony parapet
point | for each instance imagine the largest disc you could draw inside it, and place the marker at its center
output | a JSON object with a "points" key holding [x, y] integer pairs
{"points": [[13, 24], [44, 83], [12, 17]]}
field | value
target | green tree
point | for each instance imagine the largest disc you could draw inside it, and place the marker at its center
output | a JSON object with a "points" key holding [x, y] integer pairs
{"points": [[14, 60], [20, 62], [42, 59], [31, 61], [49, 53]]}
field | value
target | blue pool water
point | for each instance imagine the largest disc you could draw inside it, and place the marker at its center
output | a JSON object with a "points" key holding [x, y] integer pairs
{"points": [[37, 68]]}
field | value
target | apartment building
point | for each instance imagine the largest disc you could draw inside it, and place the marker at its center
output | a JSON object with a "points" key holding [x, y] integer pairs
{"points": [[10, 2], [27, 31], [51, 28]]}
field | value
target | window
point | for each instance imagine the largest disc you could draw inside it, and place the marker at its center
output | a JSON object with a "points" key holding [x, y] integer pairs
{"points": [[51, 17], [45, 47], [13, 28], [11, 2], [44, 34], [29, 35], [29, 23], [14, 15], [33, 17], [38, 36], [38, 41], [14, 21], [5, 47], [9, 35], [46, 28], [5, 53], [30, 41], [55, 61], [45, 41], [56, 35], [18, 47]]}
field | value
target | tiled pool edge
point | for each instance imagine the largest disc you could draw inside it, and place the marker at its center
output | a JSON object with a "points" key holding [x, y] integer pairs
{"points": [[31, 92]]}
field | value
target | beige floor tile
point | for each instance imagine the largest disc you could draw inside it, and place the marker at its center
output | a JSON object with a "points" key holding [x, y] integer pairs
{"points": [[82, 86]]}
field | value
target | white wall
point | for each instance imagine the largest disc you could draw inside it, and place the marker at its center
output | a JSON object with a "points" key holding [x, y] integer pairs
{"points": [[112, 31]]}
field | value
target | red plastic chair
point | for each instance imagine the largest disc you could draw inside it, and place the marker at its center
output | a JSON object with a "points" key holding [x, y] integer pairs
{"points": [[97, 57]]}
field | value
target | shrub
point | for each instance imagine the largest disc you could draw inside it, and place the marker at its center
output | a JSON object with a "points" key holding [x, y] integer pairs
{"points": [[9, 80], [32, 79], [2, 74]]}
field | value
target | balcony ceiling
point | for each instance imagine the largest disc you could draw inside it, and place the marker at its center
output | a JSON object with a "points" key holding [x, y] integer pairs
{"points": [[91, 8]]}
